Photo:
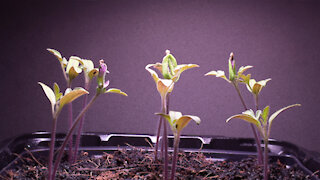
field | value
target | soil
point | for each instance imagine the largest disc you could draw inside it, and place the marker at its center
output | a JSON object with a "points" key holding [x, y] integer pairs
{"points": [[140, 164]]}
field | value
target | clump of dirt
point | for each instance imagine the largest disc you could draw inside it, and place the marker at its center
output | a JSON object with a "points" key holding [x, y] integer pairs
{"points": [[140, 164]]}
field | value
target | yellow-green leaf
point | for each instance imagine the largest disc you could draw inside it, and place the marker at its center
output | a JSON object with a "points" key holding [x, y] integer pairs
{"points": [[167, 117], [93, 73], [164, 86], [57, 92], [73, 68], [219, 74], [183, 121], [55, 53], [117, 91], [50, 95], [265, 114], [72, 95], [247, 118], [274, 115], [180, 68], [152, 72], [242, 69]]}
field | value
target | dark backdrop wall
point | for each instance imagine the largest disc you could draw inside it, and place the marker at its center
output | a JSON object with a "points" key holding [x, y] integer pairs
{"points": [[279, 38]]}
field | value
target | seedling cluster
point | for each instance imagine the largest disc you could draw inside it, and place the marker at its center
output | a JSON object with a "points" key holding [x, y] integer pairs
{"points": [[170, 70]]}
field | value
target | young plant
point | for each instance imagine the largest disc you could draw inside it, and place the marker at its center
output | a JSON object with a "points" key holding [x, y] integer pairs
{"points": [[177, 122], [263, 123], [58, 101], [235, 77], [255, 87], [70, 69], [89, 72], [171, 72]]}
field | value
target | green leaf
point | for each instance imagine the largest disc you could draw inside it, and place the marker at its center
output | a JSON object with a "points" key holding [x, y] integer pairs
{"points": [[247, 118], [265, 114], [57, 92], [117, 91], [55, 53], [168, 64], [50, 95], [274, 115], [72, 95]]}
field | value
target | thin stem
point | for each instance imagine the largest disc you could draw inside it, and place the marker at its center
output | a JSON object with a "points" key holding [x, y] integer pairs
{"points": [[57, 162], [255, 134], [165, 140], [158, 135], [175, 154], [256, 102], [52, 142], [70, 143], [70, 118], [265, 164], [78, 138]]}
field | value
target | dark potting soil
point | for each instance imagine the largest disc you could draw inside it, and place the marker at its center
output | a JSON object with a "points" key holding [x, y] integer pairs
{"points": [[140, 164]]}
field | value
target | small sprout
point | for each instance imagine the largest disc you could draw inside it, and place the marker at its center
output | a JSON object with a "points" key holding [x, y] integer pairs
{"points": [[261, 121], [177, 122], [255, 87], [234, 76], [56, 98], [102, 84]]}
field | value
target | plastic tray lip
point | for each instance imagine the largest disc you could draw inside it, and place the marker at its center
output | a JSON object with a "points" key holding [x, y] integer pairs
{"points": [[297, 153]]}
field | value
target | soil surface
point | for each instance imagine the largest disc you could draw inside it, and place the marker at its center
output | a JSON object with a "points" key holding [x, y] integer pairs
{"points": [[140, 164]]}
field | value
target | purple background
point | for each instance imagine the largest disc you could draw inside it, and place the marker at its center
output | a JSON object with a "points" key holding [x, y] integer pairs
{"points": [[280, 39]]}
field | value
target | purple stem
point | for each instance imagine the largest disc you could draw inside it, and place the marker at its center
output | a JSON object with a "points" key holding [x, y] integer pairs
{"points": [[265, 164], [70, 117], [157, 142], [52, 145], [84, 110], [78, 138], [165, 138], [175, 154], [256, 136]]}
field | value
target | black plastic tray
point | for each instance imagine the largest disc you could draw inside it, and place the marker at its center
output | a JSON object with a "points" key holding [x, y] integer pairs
{"points": [[216, 148]]}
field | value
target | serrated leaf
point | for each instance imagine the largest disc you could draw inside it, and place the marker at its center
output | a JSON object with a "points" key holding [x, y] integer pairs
{"points": [[247, 118], [274, 115], [50, 95], [117, 91], [72, 95], [55, 53]]}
